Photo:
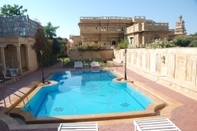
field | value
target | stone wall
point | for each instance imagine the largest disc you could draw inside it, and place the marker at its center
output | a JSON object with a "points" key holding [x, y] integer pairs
{"points": [[175, 67], [32, 60], [94, 55]]}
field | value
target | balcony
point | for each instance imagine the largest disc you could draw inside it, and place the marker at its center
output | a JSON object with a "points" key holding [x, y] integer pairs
{"points": [[134, 28], [139, 27]]}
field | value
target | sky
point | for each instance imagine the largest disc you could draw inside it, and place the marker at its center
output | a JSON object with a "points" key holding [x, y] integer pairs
{"points": [[66, 13]]}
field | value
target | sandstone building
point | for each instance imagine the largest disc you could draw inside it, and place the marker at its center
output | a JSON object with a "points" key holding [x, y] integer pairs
{"points": [[16, 41], [137, 30]]}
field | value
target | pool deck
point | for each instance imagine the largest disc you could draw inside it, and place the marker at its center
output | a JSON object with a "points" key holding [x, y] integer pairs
{"points": [[185, 116]]}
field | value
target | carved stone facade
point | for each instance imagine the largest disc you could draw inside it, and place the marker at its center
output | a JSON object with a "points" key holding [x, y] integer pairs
{"points": [[137, 30], [174, 67], [103, 30]]}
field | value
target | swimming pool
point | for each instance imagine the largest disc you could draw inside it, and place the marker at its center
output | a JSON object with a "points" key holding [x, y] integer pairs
{"points": [[86, 92]]}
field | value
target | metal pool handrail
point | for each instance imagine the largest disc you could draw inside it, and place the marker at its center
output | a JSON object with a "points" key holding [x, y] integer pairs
{"points": [[8, 91]]}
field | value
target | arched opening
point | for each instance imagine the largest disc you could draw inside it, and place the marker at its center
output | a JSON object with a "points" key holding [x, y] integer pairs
{"points": [[113, 43], [154, 38], [10, 56]]}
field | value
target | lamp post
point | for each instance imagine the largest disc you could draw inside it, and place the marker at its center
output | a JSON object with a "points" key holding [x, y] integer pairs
{"points": [[41, 52], [125, 71]]}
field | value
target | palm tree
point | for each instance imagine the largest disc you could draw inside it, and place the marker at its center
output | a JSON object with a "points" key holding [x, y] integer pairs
{"points": [[50, 30]]}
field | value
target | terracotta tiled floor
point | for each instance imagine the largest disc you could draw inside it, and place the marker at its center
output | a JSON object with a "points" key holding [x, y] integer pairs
{"points": [[185, 116]]}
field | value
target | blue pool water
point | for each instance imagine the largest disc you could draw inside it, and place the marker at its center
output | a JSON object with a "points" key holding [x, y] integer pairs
{"points": [[86, 92]]}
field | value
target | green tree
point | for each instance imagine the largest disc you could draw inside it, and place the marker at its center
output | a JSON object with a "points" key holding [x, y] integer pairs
{"points": [[194, 35], [56, 47], [8, 10], [42, 43], [63, 48], [181, 41], [50, 30]]}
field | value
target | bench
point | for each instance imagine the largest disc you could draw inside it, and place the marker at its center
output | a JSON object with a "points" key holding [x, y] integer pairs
{"points": [[156, 124], [78, 126]]}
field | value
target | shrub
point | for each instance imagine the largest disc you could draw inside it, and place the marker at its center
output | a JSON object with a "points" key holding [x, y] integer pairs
{"points": [[87, 61], [160, 44], [166, 44], [193, 43], [182, 42], [122, 45], [90, 47]]}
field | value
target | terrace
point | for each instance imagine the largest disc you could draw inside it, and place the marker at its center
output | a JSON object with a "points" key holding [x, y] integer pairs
{"points": [[183, 116]]}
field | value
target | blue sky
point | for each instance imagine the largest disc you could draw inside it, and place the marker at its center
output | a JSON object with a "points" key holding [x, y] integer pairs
{"points": [[66, 13]]}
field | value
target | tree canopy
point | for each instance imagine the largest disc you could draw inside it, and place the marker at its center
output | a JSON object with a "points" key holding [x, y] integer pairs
{"points": [[181, 41], [8, 10], [50, 30], [194, 35]]}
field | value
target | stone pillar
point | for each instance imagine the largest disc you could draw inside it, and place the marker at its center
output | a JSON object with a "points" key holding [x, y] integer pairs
{"points": [[3, 58], [28, 56], [18, 53]]}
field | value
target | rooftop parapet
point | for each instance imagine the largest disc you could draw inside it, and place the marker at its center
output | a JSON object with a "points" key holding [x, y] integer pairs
{"points": [[139, 18], [106, 17], [155, 26]]}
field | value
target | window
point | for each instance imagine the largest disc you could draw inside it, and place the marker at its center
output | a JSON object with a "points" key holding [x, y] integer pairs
{"points": [[104, 29], [101, 28], [131, 40]]}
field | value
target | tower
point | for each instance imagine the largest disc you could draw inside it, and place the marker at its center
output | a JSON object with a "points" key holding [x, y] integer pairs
{"points": [[180, 27]]}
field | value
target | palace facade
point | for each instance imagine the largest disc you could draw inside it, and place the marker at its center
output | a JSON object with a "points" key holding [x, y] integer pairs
{"points": [[137, 30]]}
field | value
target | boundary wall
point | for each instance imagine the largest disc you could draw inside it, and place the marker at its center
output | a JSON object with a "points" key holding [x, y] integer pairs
{"points": [[93, 55], [175, 68]]}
